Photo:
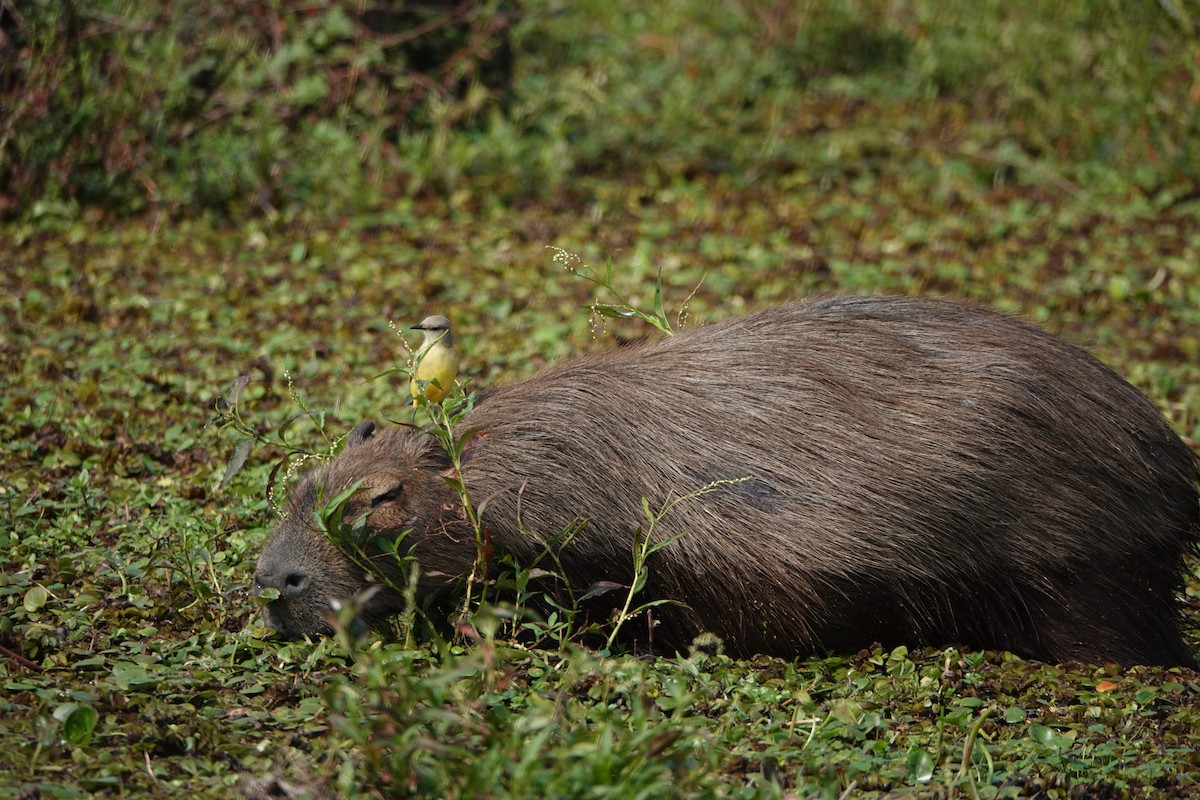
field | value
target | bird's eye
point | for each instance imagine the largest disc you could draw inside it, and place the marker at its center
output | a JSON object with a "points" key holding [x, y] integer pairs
{"points": [[388, 496]]}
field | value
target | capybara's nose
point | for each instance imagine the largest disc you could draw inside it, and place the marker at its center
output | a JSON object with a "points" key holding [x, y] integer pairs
{"points": [[289, 584]]}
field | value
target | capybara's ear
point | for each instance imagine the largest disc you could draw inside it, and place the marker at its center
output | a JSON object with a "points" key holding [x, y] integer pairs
{"points": [[362, 431]]}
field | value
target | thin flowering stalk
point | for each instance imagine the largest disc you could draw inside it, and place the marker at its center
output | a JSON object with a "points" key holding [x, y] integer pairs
{"points": [[623, 308]]}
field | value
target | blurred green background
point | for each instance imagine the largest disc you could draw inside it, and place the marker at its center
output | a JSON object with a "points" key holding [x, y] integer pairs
{"points": [[190, 192]]}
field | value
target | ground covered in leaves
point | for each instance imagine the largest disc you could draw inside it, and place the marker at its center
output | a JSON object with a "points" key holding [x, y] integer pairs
{"points": [[132, 660]]}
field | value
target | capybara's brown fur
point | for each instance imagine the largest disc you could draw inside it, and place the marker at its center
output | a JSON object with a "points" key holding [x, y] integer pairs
{"points": [[916, 472]]}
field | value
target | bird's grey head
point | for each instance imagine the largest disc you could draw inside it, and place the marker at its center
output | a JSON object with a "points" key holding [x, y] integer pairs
{"points": [[435, 327]]}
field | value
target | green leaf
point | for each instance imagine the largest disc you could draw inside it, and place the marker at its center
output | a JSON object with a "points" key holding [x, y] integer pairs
{"points": [[659, 311], [237, 460], [613, 311], [127, 675], [35, 598], [599, 588], [1014, 715], [79, 725], [1040, 733], [920, 766], [235, 391], [331, 513]]}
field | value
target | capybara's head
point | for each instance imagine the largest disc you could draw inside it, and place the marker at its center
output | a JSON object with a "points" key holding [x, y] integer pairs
{"points": [[400, 495]]}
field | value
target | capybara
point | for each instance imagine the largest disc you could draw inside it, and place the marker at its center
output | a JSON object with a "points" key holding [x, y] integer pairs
{"points": [[912, 471]]}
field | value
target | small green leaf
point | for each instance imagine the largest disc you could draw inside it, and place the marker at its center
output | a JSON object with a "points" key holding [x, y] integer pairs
{"points": [[1013, 715], [1042, 735], [659, 312], [920, 766], [35, 598], [613, 311], [235, 391], [127, 675], [237, 459], [79, 724], [600, 587]]}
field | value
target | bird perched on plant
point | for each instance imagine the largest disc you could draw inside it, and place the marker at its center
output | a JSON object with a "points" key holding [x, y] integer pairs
{"points": [[435, 364]]}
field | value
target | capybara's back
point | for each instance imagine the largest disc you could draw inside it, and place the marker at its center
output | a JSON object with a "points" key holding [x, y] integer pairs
{"points": [[901, 471]]}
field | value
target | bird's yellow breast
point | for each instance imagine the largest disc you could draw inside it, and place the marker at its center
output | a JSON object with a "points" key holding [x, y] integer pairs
{"points": [[438, 365]]}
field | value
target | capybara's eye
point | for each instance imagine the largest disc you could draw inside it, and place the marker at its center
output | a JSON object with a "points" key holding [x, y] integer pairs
{"points": [[388, 496]]}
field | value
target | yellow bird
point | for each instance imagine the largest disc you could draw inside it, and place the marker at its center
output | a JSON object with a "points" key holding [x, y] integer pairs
{"points": [[435, 362]]}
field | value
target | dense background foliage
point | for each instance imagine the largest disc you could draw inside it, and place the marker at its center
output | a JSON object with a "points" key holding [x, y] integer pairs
{"points": [[327, 106], [191, 192]]}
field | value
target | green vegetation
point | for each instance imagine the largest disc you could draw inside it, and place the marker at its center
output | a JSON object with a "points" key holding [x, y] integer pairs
{"points": [[192, 194]]}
